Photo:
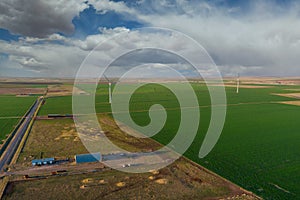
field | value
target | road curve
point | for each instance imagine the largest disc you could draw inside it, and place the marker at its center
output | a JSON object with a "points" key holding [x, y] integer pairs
{"points": [[10, 150]]}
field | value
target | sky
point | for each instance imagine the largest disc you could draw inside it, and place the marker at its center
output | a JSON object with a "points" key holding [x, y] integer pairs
{"points": [[42, 38]]}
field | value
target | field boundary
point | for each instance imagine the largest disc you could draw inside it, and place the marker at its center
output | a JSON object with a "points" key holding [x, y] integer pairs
{"points": [[199, 166], [222, 178], [5, 179], [3, 185], [13, 132], [24, 138]]}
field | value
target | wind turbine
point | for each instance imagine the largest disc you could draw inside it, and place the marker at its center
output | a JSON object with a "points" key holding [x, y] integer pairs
{"points": [[109, 89], [238, 84]]}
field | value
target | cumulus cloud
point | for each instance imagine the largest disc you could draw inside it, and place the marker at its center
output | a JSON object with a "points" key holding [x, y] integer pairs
{"points": [[103, 6], [45, 59], [265, 39], [91, 41], [63, 59], [51, 38], [261, 38], [38, 18]]}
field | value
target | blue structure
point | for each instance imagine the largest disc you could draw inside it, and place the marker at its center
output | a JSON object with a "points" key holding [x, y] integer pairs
{"points": [[45, 161], [85, 158]]}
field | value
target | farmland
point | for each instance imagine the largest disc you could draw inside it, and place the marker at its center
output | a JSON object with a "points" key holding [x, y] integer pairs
{"points": [[94, 181], [259, 141], [258, 148], [59, 105], [12, 109], [260, 154], [112, 184]]}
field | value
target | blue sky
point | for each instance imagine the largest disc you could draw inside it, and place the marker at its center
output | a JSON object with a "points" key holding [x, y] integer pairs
{"points": [[6, 35], [89, 21], [233, 32]]}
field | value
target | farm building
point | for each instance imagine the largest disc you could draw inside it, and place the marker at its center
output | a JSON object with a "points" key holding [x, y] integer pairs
{"points": [[85, 158], [60, 116], [45, 161]]}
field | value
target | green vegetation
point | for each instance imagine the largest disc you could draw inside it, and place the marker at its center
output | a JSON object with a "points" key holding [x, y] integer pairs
{"points": [[57, 105], [12, 109], [22, 85], [78, 182], [258, 148], [63, 104]]}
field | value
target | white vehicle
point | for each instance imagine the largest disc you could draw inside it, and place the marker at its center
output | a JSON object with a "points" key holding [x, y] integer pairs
{"points": [[126, 165]]}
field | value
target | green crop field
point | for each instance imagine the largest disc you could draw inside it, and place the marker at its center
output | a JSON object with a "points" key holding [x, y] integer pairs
{"points": [[12, 109], [22, 85], [259, 145], [63, 104], [57, 105]]}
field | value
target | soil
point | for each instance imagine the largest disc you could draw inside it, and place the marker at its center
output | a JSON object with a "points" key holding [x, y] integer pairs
{"points": [[290, 95], [22, 91], [295, 103]]}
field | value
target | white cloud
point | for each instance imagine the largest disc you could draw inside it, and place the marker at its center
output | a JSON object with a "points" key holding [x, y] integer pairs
{"points": [[92, 41], [103, 6], [53, 59], [50, 38], [263, 40], [46, 59], [267, 35]]}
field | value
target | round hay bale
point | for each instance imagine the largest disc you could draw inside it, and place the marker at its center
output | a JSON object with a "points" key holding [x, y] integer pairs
{"points": [[161, 181], [121, 184], [87, 180]]}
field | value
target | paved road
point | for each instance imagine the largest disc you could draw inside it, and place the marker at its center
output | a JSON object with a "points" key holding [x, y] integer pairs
{"points": [[14, 143]]}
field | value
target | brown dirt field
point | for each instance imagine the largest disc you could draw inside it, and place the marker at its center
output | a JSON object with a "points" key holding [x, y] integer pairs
{"points": [[290, 95], [63, 90], [295, 103], [246, 86], [266, 80], [180, 180], [128, 142], [51, 138], [22, 91]]}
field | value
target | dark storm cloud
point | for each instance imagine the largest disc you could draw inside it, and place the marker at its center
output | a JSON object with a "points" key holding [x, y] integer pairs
{"points": [[37, 18], [143, 56]]}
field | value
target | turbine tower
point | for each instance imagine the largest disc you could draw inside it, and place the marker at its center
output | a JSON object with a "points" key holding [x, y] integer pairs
{"points": [[109, 89], [238, 84]]}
